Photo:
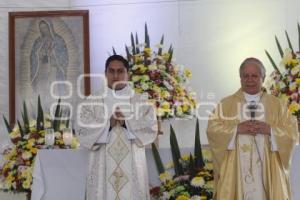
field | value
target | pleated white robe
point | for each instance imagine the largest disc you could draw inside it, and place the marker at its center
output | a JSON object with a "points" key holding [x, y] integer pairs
{"points": [[117, 166]]}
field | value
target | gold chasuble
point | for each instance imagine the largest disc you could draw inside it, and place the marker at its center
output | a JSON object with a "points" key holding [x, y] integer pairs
{"points": [[253, 168]]}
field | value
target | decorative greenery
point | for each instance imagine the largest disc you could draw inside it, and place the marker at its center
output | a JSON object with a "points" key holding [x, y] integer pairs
{"points": [[193, 177], [285, 79], [154, 72], [27, 138]]}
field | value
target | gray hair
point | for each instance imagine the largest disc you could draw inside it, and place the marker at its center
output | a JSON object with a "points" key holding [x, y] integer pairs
{"points": [[256, 62]]}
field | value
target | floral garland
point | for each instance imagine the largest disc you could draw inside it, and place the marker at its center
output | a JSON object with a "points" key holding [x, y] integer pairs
{"points": [[193, 175], [153, 72], [16, 172], [196, 185], [284, 81]]}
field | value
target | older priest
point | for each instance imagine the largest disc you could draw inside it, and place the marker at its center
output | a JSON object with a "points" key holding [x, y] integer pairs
{"points": [[252, 137], [116, 129]]}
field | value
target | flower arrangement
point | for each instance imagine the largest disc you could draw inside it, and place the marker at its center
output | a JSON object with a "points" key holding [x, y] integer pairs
{"points": [[193, 178], [285, 79], [16, 172], [153, 72]]}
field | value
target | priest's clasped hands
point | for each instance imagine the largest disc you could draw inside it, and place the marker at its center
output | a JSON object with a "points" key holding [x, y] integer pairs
{"points": [[253, 127], [117, 118]]}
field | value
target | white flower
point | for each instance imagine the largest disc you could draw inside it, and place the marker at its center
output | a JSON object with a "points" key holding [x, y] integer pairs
{"points": [[162, 67], [152, 67], [281, 84], [197, 182], [195, 197], [145, 86], [165, 196], [26, 155], [295, 70]]}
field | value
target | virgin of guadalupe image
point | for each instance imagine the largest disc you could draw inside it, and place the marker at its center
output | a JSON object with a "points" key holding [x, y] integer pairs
{"points": [[49, 51], [48, 59]]}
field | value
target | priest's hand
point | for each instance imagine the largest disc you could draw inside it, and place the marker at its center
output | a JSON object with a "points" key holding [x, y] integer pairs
{"points": [[246, 127], [253, 127], [117, 118], [262, 127]]}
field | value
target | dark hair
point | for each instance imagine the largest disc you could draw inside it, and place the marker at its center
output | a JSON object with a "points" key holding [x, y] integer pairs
{"points": [[118, 58]]}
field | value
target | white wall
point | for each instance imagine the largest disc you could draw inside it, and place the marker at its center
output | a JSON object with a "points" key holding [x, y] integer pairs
{"points": [[211, 37]]}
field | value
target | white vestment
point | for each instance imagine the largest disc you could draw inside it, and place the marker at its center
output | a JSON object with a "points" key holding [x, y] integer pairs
{"points": [[117, 166], [251, 154]]}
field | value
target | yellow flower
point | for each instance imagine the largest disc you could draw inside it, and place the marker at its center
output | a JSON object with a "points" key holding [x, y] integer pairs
{"points": [[179, 110], [156, 89], [145, 78], [164, 177], [197, 182], [138, 90], [166, 56], [33, 150], [165, 105], [169, 165], [30, 143], [15, 133], [294, 107], [207, 154], [185, 108], [187, 73], [41, 140], [75, 143], [209, 184], [287, 57], [185, 157], [298, 81], [165, 94], [209, 166], [182, 197], [26, 184], [147, 51], [138, 58], [136, 78]]}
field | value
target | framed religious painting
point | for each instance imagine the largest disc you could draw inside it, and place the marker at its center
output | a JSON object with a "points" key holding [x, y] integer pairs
{"points": [[48, 57]]}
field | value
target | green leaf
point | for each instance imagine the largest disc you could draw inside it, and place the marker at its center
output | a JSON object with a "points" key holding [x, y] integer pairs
{"points": [[20, 128], [273, 63], [137, 43], [175, 152], [68, 120], [170, 56], [9, 130], [40, 116], [289, 42], [170, 49], [132, 44], [56, 121], [279, 47], [25, 118], [114, 51], [147, 39], [157, 159], [198, 150], [128, 55], [192, 168], [161, 43]]}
